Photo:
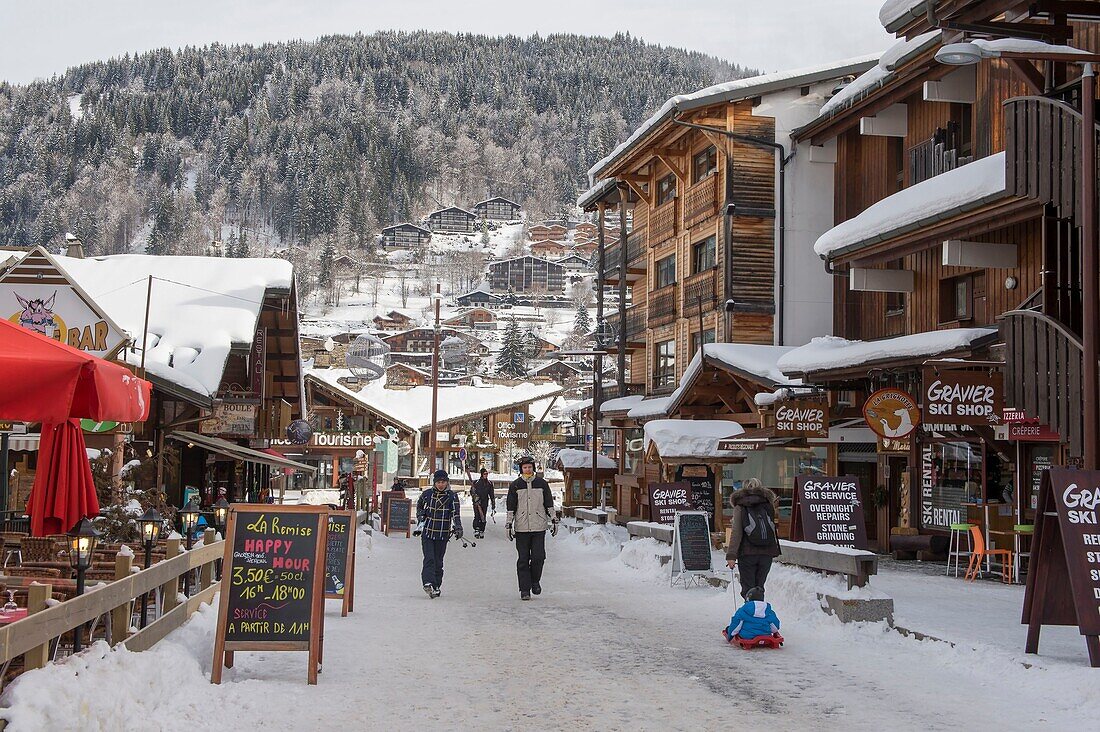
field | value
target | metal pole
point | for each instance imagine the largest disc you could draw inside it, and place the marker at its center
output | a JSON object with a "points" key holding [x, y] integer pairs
{"points": [[145, 596], [187, 577], [145, 328], [4, 471], [597, 361], [435, 383], [1089, 294], [78, 631], [597, 366]]}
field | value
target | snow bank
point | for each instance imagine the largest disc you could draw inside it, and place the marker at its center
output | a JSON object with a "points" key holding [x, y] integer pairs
{"points": [[955, 191], [682, 438], [645, 555], [832, 352]]}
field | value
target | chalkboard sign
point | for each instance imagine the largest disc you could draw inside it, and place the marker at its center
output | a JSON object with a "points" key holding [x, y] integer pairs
{"points": [[691, 552], [828, 511], [340, 559], [665, 499], [701, 478], [399, 511], [272, 583], [1063, 581]]}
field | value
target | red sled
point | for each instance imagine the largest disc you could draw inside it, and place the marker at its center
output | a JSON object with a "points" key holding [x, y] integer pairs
{"points": [[761, 641]]}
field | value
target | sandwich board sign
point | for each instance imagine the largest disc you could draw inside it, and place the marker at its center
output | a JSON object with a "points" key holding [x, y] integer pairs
{"points": [[691, 557], [340, 559], [272, 592], [1063, 580], [828, 511]]}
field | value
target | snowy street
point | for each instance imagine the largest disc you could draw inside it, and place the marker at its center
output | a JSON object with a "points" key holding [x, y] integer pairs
{"points": [[608, 646]]}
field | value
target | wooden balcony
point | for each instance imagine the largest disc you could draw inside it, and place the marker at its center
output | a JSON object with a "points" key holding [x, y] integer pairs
{"points": [[639, 237], [662, 306], [1043, 363], [634, 332], [701, 201], [700, 291], [662, 223], [930, 158]]}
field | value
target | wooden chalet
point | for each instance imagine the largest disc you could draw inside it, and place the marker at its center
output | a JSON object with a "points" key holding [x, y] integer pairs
{"points": [[958, 248], [452, 220], [475, 318], [497, 209], [562, 372], [480, 296], [406, 236], [585, 229], [545, 232], [550, 249], [575, 263], [394, 320], [527, 275]]}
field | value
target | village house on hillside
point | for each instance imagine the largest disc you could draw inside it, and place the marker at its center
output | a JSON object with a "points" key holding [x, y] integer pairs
{"points": [[526, 274], [481, 295], [394, 320], [408, 236], [497, 209], [476, 318], [544, 232], [550, 248], [452, 220]]}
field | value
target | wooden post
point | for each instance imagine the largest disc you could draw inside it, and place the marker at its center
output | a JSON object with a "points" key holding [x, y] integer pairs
{"points": [[435, 386], [121, 615], [1089, 294], [37, 596], [206, 573], [170, 589], [624, 242]]}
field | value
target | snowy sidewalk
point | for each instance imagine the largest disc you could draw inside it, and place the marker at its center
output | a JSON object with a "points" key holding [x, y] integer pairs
{"points": [[608, 646]]}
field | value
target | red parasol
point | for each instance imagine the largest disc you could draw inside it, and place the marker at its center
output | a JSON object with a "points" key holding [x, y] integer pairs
{"points": [[43, 380]]}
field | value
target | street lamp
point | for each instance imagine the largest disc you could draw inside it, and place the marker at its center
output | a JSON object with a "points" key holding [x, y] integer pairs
{"points": [[221, 516], [82, 541], [150, 524], [189, 517]]}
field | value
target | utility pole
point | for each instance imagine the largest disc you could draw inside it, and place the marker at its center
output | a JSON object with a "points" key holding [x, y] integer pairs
{"points": [[597, 360], [435, 380], [1089, 294]]}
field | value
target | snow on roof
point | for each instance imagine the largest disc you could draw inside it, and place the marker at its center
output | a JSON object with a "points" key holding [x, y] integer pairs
{"points": [[656, 407], [831, 352], [685, 438], [1024, 45], [621, 404], [200, 307], [880, 73], [570, 459], [733, 91], [523, 256], [403, 225], [577, 406], [452, 208], [756, 360], [496, 198], [897, 12], [915, 207], [596, 192], [413, 407]]}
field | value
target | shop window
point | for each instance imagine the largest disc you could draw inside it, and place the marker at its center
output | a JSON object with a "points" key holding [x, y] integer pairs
{"points": [[664, 372], [703, 254], [696, 343], [666, 189], [776, 467], [703, 164], [895, 301], [957, 299], [952, 475], [666, 272]]}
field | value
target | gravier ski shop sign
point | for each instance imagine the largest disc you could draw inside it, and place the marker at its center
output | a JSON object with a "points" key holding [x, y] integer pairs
{"points": [[829, 511], [954, 396], [802, 418]]}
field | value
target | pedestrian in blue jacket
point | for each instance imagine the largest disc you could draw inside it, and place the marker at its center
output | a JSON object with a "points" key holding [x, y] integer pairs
{"points": [[437, 517], [753, 619]]}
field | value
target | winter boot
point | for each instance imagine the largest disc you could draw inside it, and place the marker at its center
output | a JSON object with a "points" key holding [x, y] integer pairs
{"points": [[436, 592], [525, 595], [536, 589], [429, 590]]}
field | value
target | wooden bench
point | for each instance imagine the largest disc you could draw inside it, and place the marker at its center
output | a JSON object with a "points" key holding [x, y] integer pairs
{"points": [[650, 530], [857, 566], [593, 515]]}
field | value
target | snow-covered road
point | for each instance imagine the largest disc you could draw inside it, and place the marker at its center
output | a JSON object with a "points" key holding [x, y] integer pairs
{"points": [[608, 646]]}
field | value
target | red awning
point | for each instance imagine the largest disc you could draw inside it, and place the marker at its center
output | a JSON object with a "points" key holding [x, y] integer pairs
{"points": [[43, 380]]}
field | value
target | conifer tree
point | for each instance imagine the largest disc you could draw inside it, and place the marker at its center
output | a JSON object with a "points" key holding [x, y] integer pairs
{"points": [[583, 323], [512, 361]]}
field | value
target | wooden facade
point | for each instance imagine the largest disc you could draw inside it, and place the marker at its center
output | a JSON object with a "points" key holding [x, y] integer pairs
{"points": [[497, 209], [406, 236], [453, 220], [527, 275]]}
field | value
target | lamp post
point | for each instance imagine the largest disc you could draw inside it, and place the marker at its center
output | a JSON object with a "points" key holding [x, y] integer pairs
{"points": [[973, 52], [436, 298], [189, 516], [82, 542], [150, 524], [221, 516]]}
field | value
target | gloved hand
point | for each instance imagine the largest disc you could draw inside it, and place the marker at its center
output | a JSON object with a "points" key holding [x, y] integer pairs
{"points": [[458, 533], [511, 534], [419, 529], [554, 527]]}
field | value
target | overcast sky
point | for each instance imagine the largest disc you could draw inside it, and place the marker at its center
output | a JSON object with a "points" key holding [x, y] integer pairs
{"points": [[39, 38]]}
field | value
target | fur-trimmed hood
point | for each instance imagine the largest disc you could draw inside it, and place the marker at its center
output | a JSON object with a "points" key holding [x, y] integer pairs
{"points": [[752, 496]]}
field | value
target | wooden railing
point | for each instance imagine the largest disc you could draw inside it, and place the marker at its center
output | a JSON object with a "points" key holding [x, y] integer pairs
{"points": [[1043, 152], [701, 201], [34, 636], [662, 223], [639, 237], [662, 306], [700, 290], [930, 158], [1043, 363]]}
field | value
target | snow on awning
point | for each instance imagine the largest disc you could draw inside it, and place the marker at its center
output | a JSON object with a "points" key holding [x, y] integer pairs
{"points": [[685, 438], [649, 408], [897, 13], [621, 404], [577, 459], [596, 192], [830, 352], [928, 202], [756, 361]]}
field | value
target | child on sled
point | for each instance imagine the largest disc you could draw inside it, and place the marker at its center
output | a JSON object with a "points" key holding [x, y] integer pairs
{"points": [[754, 623]]}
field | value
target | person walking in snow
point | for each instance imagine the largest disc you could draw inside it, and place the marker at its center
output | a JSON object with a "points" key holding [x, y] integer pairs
{"points": [[753, 619], [437, 517], [530, 507], [753, 541], [481, 493]]}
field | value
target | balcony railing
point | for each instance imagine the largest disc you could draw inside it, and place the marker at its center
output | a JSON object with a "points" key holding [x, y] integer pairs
{"points": [[639, 236], [700, 290], [662, 306], [662, 223], [931, 158], [701, 201]]}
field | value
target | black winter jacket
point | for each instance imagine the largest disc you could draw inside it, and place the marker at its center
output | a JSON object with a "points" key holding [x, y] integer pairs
{"points": [[741, 499], [482, 492]]}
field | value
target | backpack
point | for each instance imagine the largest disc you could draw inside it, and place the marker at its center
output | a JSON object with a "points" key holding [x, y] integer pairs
{"points": [[759, 526]]}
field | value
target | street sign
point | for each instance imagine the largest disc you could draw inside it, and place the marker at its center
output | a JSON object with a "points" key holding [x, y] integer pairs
{"points": [[462, 454], [90, 425]]}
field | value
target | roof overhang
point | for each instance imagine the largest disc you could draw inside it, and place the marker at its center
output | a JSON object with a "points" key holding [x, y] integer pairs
{"points": [[237, 452]]}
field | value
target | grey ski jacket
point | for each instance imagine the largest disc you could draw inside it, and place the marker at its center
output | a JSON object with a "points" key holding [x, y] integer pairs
{"points": [[530, 504]]}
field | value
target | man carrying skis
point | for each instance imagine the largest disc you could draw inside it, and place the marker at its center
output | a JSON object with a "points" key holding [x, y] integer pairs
{"points": [[437, 516], [482, 494], [530, 512]]}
